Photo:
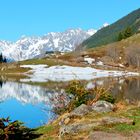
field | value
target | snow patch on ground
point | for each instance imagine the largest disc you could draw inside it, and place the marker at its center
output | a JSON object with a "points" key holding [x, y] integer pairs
{"points": [[99, 63], [43, 73], [89, 60]]}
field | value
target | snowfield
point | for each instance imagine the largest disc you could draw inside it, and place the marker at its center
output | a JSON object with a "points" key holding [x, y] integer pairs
{"points": [[43, 73]]}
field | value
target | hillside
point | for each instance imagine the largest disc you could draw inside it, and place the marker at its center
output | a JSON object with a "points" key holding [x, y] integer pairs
{"points": [[125, 52], [110, 33]]}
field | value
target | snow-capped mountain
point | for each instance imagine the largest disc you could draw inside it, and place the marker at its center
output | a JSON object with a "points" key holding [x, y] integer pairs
{"points": [[31, 47]]}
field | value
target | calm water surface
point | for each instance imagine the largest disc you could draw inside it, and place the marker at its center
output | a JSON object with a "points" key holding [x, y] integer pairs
{"points": [[33, 104], [29, 104]]}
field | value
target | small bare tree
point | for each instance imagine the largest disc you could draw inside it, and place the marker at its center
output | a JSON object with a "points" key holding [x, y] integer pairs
{"points": [[113, 52], [132, 55]]}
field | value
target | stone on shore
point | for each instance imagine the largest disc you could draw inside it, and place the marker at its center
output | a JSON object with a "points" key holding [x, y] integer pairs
{"points": [[102, 106]]}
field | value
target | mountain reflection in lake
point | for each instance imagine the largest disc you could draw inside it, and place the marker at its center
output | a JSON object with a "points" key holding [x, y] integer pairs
{"points": [[33, 104], [29, 104]]}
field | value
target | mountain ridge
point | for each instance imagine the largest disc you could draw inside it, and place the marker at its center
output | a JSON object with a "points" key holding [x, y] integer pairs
{"points": [[31, 47], [110, 33]]}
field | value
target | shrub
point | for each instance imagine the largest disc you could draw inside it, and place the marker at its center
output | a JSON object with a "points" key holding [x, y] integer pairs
{"points": [[102, 94], [8, 129], [107, 97], [14, 130], [81, 95], [85, 96]]}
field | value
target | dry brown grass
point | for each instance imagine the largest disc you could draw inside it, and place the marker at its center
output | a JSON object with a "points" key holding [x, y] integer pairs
{"points": [[121, 105], [12, 68]]}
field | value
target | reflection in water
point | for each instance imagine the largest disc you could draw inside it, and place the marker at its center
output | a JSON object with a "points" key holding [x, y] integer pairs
{"points": [[33, 104], [30, 104], [1, 83], [121, 88], [129, 89]]}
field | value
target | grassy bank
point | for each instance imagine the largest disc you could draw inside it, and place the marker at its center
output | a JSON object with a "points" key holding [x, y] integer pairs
{"points": [[51, 131], [93, 120]]}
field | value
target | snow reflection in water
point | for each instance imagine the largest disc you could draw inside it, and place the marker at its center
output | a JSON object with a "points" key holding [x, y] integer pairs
{"points": [[27, 103]]}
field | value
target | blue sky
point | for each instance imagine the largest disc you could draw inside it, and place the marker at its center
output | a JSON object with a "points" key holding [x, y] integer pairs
{"points": [[38, 17]]}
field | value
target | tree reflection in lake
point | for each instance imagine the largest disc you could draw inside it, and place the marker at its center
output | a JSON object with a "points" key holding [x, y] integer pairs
{"points": [[1, 83], [121, 88]]}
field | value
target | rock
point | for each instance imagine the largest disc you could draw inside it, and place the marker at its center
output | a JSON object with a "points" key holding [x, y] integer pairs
{"points": [[77, 112], [66, 121], [73, 129], [116, 120], [106, 136], [81, 110], [69, 129], [102, 106]]}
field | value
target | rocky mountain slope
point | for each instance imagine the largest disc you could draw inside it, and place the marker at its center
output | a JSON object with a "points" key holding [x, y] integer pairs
{"points": [[31, 47]]}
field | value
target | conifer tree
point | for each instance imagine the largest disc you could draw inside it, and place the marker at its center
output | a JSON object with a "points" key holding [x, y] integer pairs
{"points": [[1, 58], [127, 32]]}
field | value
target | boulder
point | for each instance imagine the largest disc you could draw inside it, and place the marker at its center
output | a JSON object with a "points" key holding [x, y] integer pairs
{"points": [[73, 129], [77, 112], [81, 110], [69, 129], [102, 106]]}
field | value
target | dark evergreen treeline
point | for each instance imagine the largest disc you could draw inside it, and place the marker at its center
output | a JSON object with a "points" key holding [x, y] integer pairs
{"points": [[2, 59], [125, 34]]}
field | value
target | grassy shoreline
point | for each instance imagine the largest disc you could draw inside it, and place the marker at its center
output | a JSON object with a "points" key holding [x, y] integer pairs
{"points": [[51, 131]]}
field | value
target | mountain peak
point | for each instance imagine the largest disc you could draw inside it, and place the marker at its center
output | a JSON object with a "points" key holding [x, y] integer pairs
{"points": [[105, 24], [91, 31], [31, 47]]}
